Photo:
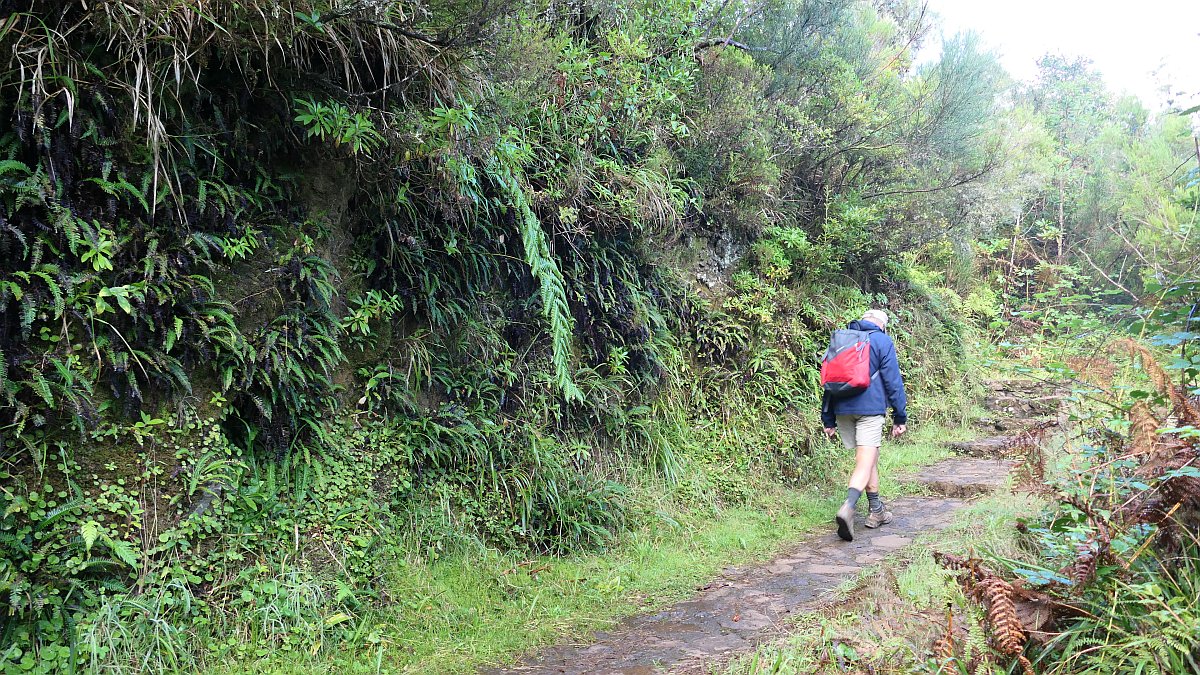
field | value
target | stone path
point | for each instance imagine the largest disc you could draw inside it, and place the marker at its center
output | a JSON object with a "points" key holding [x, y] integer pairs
{"points": [[745, 606], [965, 477]]}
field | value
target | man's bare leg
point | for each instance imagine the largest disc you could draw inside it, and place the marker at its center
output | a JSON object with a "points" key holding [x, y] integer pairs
{"points": [[866, 469], [865, 474]]}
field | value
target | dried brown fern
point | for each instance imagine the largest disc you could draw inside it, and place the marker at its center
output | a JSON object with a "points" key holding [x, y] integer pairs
{"points": [[1187, 411], [1175, 506], [973, 567], [1083, 568], [997, 598], [1092, 369], [1027, 449], [1144, 429], [1139, 352], [1096, 549], [1155, 450], [1008, 636], [944, 649]]}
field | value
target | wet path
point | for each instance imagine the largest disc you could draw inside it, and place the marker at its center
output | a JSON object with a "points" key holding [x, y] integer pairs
{"points": [[744, 606], [747, 605]]}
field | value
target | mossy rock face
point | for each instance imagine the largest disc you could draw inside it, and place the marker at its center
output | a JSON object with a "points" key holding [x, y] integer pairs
{"points": [[326, 191], [711, 262]]}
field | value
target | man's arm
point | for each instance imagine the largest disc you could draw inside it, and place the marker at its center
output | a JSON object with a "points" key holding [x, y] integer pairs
{"points": [[893, 385], [828, 420]]}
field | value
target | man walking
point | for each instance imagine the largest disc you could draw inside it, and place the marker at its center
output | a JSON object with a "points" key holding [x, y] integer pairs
{"points": [[859, 420]]}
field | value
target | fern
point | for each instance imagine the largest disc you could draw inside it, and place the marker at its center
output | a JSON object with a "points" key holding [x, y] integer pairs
{"points": [[13, 166], [553, 291], [41, 387], [90, 532], [5, 388], [59, 512], [122, 549], [44, 273], [98, 562]]}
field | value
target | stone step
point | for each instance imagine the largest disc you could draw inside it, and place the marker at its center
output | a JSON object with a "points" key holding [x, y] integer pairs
{"points": [[1016, 404], [1023, 406], [1045, 399], [1028, 387], [1011, 425], [963, 477], [991, 447]]}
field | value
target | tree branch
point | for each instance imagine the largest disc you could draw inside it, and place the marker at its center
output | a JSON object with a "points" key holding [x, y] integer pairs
{"points": [[937, 188], [1104, 274], [716, 42], [412, 34]]}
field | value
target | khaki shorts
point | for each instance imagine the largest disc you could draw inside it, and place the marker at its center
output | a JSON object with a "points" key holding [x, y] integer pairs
{"points": [[864, 430]]}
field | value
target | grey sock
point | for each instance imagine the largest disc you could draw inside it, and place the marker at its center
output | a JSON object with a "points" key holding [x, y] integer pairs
{"points": [[852, 496], [874, 502]]}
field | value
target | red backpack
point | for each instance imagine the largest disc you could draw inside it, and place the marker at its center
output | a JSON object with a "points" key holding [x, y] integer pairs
{"points": [[846, 368]]}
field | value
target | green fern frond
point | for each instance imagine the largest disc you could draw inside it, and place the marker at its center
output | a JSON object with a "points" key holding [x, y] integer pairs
{"points": [[41, 387], [553, 294], [89, 532], [98, 562], [122, 549], [58, 512], [13, 166]]}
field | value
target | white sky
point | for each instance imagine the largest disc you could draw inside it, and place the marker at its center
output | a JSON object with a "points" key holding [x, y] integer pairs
{"points": [[1137, 46]]}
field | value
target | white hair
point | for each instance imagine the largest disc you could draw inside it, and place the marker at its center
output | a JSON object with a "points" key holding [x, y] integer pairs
{"points": [[876, 316]]}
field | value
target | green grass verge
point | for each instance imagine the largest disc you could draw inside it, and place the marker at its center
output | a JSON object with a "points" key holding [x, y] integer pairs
{"points": [[483, 606]]}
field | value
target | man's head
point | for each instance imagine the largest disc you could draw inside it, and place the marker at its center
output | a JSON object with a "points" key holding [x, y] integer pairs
{"points": [[877, 317]]}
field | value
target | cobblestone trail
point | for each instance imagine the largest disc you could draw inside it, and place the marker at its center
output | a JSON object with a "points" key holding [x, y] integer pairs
{"points": [[745, 606]]}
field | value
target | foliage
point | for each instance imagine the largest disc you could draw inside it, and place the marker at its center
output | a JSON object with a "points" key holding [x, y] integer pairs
{"points": [[292, 294], [1115, 557]]}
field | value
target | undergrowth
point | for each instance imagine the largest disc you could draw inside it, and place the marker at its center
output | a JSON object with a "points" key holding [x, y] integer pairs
{"points": [[297, 296]]}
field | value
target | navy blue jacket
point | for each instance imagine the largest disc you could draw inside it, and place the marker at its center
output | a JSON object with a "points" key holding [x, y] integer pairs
{"points": [[887, 389]]}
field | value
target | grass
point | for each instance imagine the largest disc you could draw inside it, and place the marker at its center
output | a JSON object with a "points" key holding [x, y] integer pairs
{"points": [[482, 606]]}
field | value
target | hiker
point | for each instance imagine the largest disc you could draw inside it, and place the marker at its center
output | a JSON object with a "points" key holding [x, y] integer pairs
{"points": [[857, 412]]}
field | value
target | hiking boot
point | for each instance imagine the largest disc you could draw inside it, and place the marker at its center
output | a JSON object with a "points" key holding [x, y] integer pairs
{"points": [[877, 518], [845, 521]]}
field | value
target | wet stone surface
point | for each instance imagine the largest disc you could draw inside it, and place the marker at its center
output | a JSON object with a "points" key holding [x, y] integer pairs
{"points": [[1009, 426], [966, 476], [744, 606], [1021, 401], [992, 446]]}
